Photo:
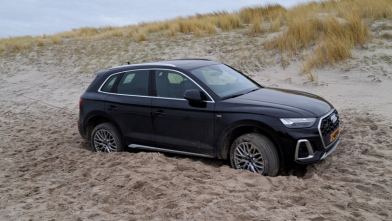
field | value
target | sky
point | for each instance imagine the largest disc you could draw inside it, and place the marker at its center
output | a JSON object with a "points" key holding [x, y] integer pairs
{"points": [[37, 17]]}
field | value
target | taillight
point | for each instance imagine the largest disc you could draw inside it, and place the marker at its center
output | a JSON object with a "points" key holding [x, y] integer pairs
{"points": [[80, 102]]}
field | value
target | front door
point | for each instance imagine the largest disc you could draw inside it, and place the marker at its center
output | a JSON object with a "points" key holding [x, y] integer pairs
{"points": [[179, 126], [130, 106]]}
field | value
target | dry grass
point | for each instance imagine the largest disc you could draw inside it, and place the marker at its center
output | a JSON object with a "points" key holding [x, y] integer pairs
{"points": [[210, 29], [171, 32], [117, 33], [3, 49], [306, 69], [17, 43], [270, 12], [228, 21], [40, 42], [129, 34], [199, 25], [198, 33], [330, 29], [55, 39], [141, 36], [256, 27]]}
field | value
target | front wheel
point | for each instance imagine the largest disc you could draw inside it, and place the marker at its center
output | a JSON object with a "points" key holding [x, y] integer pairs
{"points": [[256, 153], [106, 138]]}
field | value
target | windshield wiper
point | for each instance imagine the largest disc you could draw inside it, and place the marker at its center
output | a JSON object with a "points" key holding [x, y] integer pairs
{"points": [[252, 90], [237, 95], [232, 96]]}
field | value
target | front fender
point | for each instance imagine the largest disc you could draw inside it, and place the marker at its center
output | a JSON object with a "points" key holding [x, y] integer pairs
{"points": [[229, 123]]}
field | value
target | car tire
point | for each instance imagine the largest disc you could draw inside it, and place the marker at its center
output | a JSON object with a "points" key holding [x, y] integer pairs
{"points": [[256, 153], [106, 138]]}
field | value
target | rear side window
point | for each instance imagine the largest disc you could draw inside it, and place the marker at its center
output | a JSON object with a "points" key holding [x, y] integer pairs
{"points": [[134, 83], [109, 84]]}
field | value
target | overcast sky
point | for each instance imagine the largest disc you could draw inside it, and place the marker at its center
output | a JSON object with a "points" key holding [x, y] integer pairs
{"points": [[37, 17]]}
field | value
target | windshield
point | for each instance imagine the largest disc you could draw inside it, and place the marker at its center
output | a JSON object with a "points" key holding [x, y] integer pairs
{"points": [[224, 81]]}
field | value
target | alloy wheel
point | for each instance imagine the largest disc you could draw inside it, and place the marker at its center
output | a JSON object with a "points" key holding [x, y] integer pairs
{"points": [[104, 141], [248, 157]]}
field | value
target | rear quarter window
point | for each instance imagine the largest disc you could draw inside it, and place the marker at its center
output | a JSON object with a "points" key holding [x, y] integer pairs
{"points": [[109, 84]]}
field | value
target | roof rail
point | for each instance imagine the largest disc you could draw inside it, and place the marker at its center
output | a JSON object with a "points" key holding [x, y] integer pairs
{"points": [[153, 63], [203, 59]]}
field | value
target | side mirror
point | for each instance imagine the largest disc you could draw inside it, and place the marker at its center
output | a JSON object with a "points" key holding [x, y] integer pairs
{"points": [[194, 97]]}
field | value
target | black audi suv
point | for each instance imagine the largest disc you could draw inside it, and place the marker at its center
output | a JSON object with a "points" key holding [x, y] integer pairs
{"points": [[204, 108]]}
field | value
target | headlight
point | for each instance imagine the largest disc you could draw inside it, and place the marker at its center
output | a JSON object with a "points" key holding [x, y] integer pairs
{"points": [[298, 122]]}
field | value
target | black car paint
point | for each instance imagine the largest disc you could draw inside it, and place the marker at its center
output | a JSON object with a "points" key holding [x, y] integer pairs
{"points": [[176, 125], [310, 105]]}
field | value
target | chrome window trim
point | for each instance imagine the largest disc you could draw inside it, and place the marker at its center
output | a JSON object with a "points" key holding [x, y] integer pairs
{"points": [[137, 146], [132, 65], [319, 129], [99, 90], [212, 100]]}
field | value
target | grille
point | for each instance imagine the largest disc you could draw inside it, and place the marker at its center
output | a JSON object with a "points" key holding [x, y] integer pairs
{"points": [[328, 126]]}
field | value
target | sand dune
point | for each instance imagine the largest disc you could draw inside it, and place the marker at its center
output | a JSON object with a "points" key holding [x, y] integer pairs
{"points": [[47, 170]]}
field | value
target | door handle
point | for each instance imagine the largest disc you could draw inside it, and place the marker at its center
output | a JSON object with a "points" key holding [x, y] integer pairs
{"points": [[160, 113], [112, 107]]}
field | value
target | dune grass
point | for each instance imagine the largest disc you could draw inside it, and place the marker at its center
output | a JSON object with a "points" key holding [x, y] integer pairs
{"points": [[55, 39], [329, 29]]}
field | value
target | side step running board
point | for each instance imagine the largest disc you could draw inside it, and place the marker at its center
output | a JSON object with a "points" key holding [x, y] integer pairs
{"points": [[137, 146]]}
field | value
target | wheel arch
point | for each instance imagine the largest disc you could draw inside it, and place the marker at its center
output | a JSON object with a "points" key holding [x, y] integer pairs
{"points": [[95, 118], [239, 128]]}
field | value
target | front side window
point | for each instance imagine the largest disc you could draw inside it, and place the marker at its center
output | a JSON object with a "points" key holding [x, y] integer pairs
{"points": [[134, 83], [223, 80], [171, 84]]}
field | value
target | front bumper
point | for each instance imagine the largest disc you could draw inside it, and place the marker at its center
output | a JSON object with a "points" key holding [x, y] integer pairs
{"points": [[330, 150], [312, 155]]}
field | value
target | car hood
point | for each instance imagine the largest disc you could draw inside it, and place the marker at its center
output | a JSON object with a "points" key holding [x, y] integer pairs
{"points": [[298, 101]]}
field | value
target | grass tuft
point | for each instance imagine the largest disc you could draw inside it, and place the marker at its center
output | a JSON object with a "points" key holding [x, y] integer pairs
{"points": [[40, 42], [54, 39], [141, 36], [211, 29], [256, 27], [3, 49], [129, 34], [333, 37], [198, 33]]}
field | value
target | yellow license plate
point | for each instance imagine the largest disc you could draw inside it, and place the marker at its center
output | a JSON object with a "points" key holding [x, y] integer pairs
{"points": [[335, 134]]}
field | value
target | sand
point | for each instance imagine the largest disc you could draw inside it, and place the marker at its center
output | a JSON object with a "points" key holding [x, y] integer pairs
{"points": [[47, 171]]}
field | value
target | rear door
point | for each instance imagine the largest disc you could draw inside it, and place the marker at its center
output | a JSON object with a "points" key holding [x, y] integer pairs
{"points": [[179, 126], [129, 104]]}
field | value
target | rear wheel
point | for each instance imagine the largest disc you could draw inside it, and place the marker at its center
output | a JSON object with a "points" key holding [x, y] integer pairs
{"points": [[256, 153], [106, 138]]}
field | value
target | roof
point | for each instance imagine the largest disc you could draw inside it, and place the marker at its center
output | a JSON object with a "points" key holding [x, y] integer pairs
{"points": [[186, 64]]}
